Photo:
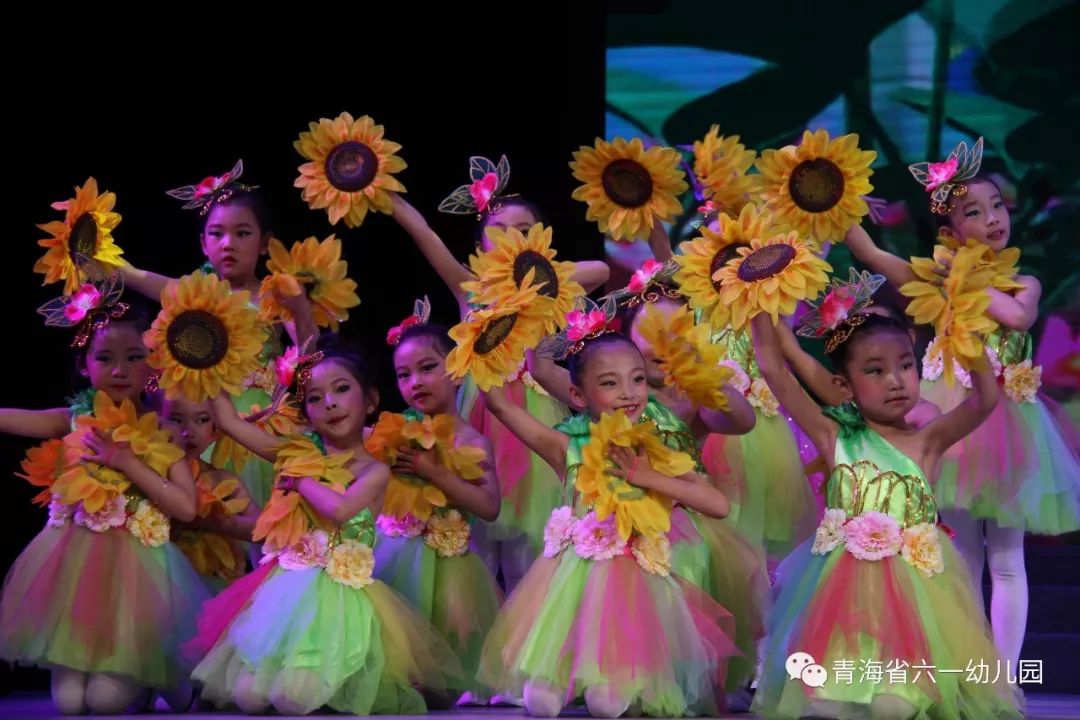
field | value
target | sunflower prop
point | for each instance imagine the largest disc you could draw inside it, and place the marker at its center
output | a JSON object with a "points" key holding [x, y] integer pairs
{"points": [[287, 515], [94, 485], [702, 258], [503, 269], [205, 339], [771, 276], [816, 187], [85, 233], [720, 165], [314, 268], [955, 306], [408, 494], [627, 187], [691, 362], [351, 168], [491, 342], [636, 510]]}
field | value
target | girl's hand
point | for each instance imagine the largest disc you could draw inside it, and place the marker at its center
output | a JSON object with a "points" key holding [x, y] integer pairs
{"points": [[287, 484], [413, 461], [101, 449], [630, 464]]}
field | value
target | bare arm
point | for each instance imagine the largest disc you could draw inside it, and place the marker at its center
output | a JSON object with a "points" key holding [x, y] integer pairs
{"points": [[302, 326], [896, 270], [239, 526], [941, 434], [431, 246], [41, 424], [805, 412], [738, 419], [1019, 311], [548, 443], [660, 243], [250, 436], [554, 379], [691, 490], [807, 368], [144, 282], [368, 487], [591, 274], [481, 499], [175, 496]]}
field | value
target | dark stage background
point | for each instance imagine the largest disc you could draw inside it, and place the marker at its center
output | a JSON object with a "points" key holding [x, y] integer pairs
{"points": [[148, 102]]}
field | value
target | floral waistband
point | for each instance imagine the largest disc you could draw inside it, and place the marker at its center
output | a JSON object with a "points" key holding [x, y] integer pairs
{"points": [[137, 515], [446, 532], [875, 536], [757, 391], [1020, 381], [349, 562], [598, 540]]}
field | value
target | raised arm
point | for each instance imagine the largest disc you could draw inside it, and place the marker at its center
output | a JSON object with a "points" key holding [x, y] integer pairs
{"points": [[807, 368], [250, 436], [41, 424], [895, 269], [738, 419], [805, 412], [144, 282], [431, 246], [548, 443], [591, 274], [554, 379], [944, 432]]}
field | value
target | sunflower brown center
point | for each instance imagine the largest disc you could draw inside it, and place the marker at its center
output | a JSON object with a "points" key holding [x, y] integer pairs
{"points": [[197, 339], [351, 166], [83, 237], [544, 272], [766, 262], [816, 185], [722, 258], [496, 331], [627, 183]]}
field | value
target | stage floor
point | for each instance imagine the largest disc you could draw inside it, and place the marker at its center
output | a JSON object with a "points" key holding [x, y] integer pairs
{"points": [[1040, 707]]}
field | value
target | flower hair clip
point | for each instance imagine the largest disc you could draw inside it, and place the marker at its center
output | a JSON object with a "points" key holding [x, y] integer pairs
{"points": [[587, 321], [420, 316], [946, 178], [211, 190], [484, 193], [841, 310], [649, 283], [88, 309]]}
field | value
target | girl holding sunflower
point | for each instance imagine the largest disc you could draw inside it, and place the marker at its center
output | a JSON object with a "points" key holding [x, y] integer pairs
{"points": [[510, 241], [1017, 473], [215, 539], [100, 595], [234, 232], [880, 581], [568, 630], [442, 485], [312, 626]]}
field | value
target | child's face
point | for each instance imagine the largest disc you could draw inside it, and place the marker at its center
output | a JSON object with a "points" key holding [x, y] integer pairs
{"points": [[233, 241], [421, 377], [654, 371], [981, 215], [116, 362], [880, 375], [613, 379], [515, 216], [191, 423], [335, 403]]}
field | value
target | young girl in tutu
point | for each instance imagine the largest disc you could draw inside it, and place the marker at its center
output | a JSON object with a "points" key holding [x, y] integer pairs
{"points": [[1017, 472], [600, 614], [100, 595], [215, 539], [312, 627], [529, 488], [880, 585], [234, 233], [442, 478]]}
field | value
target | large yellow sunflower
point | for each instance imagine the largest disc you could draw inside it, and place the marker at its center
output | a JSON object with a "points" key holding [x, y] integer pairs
{"points": [[771, 276], [312, 267], [85, 230], [491, 343], [701, 259], [691, 361], [628, 187], [956, 307], [720, 164], [817, 187], [636, 509], [205, 339], [93, 484], [350, 170], [513, 254]]}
